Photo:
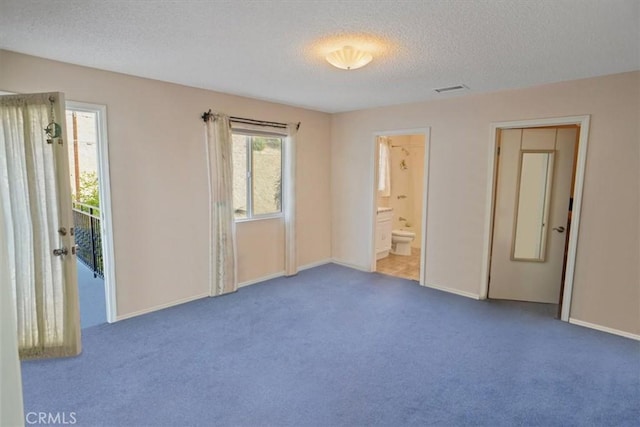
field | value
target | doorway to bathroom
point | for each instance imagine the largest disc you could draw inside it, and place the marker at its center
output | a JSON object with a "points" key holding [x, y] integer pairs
{"points": [[400, 199]]}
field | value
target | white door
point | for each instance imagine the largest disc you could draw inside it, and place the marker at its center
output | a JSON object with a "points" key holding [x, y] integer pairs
{"points": [[531, 219], [35, 198]]}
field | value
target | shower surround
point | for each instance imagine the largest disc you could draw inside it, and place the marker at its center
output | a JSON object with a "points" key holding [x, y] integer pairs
{"points": [[407, 178]]}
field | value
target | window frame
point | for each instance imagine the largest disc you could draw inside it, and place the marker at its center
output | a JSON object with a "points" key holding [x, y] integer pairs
{"points": [[248, 135]]}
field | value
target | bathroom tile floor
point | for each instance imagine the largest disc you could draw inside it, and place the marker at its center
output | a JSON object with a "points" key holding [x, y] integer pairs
{"points": [[407, 267]]}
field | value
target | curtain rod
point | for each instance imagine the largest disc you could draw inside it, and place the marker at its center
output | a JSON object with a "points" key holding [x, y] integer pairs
{"points": [[206, 115]]}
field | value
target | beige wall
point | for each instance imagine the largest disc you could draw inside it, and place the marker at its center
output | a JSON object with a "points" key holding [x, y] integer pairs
{"points": [[159, 181], [11, 405], [607, 282], [266, 257]]}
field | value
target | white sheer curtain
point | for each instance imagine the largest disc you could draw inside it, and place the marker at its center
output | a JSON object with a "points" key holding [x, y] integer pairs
{"points": [[222, 232], [47, 311], [289, 201], [384, 167]]}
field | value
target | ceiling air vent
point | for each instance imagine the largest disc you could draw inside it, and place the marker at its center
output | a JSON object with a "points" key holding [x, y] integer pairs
{"points": [[451, 88]]}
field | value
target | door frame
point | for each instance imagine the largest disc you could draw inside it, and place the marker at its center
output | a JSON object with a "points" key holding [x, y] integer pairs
{"points": [[583, 139], [104, 189], [426, 131]]}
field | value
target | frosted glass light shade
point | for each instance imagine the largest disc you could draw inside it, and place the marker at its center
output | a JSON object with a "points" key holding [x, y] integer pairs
{"points": [[349, 58]]}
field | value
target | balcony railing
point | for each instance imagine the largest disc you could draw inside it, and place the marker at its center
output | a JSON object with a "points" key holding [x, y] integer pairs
{"points": [[86, 220]]}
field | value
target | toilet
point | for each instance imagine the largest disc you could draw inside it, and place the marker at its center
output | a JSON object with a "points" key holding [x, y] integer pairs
{"points": [[401, 242]]}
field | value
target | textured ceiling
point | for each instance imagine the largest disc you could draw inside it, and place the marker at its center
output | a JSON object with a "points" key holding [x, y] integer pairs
{"points": [[273, 50]]}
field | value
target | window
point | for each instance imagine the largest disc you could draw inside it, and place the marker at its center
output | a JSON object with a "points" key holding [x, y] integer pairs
{"points": [[257, 176]]}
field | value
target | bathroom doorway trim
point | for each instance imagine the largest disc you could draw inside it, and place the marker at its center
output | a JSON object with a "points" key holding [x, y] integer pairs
{"points": [[426, 131], [583, 122]]}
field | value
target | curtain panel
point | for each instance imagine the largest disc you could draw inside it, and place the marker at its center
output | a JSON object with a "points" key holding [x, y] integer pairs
{"points": [[222, 227], [289, 203], [384, 167], [46, 303]]}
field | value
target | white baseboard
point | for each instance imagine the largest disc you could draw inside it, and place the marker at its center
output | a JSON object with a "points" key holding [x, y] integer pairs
{"points": [[160, 307], [453, 291], [240, 285], [282, 273], [314, 264], [355, 267], [261, 279], [604, 329]]}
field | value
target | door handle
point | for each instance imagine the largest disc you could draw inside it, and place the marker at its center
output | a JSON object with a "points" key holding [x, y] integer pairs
{"points": [[559, 229], [60, 252]]}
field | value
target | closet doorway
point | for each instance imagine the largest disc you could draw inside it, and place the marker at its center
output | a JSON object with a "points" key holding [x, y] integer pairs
{"points": [[533, 210], [400, 171]]}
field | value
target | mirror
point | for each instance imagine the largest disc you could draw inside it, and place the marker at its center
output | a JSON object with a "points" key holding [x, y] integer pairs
{"points": [[532, 205]]}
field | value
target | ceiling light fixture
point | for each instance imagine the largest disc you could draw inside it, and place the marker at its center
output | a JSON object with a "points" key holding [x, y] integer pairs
{"points": [[349, 58]]}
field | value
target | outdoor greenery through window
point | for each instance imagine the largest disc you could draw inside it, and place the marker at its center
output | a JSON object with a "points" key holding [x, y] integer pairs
{"points": [[257, 176], [83, 160]]}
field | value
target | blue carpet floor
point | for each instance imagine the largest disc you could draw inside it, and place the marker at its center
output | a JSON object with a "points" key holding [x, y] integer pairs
{"points": [[338, 347], [92, 298]]}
